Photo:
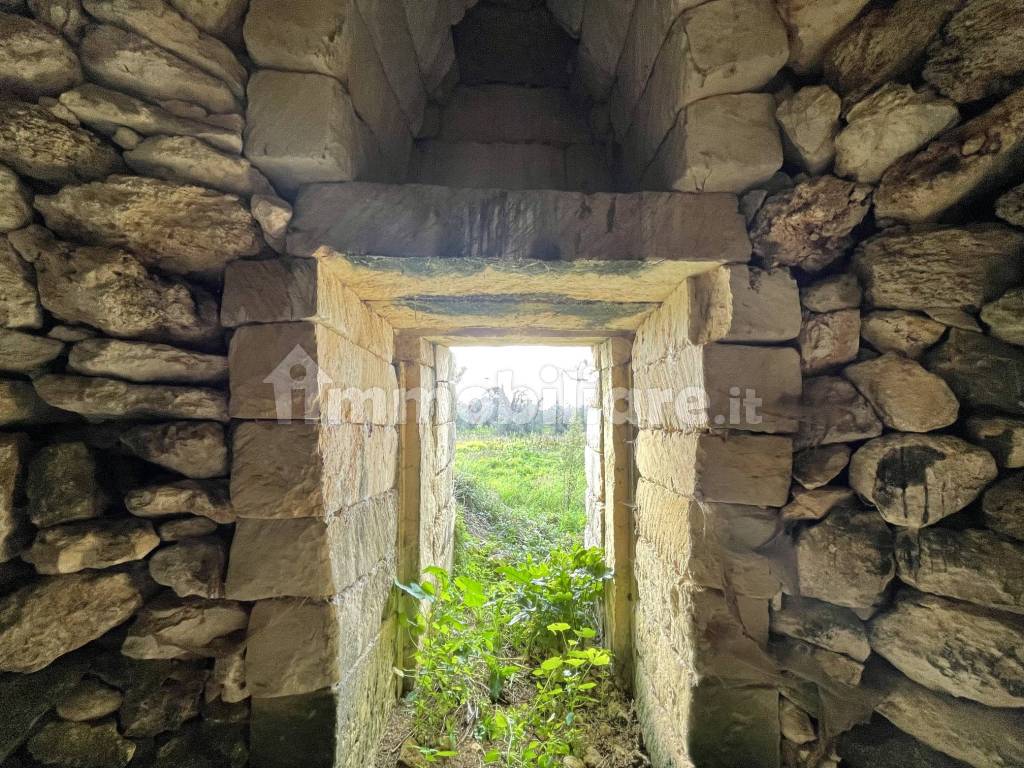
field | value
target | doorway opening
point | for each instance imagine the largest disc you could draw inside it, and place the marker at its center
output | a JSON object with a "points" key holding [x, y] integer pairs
{"points": [[509, 657]]}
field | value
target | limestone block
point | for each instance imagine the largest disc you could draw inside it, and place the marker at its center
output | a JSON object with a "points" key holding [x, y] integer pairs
{"points": [[730, 304], [712, 545], [310, 470], [889, 124], [126, 61], [1010, 206], [229, 678], [311, 557], [142, 362], [832, 294], [191, 161], [26, 353], [107, 110], [90, 545], [884, 45], [273, 215], [429, 25], [489, 166], [305, 371], [833, 670], [816, 467], [34, 61], [976, 566], [71, 333], [20, 405], [169, 627], [952, 647], [917, 480], [818, 503], [110, 289], [324, 139], [813, 25], [906, 333], [184, 528], [393, 42], [65, 17], [957, 167], [84, 745], [756, 389], [734, 469], [606, 24], [36, 144], [958, 267], [63, 485], [279, 290], [1001, 436], [824, 625], [15, 201], [829, 340], [1005, 316], [847, 559], [194, 449], [981, 371], [810, 225], [19, 302], [795, 723], [159, 697], [721, 144], [300, 646], [193, 567], [390, 220], [906, 396], [51, 617], [810, 121], [722, 46], [101, 399], [206, 498], [89, 700], [179, 228], [510, 114], [1003, 505], [14, 530]]}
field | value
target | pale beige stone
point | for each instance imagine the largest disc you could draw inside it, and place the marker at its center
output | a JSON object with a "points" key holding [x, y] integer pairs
{"points": [[976, 566], [63, 485], [816, 504], [1003, 437], [83, 745], [816, 467], [892, 122], [126, 61], [720, 144], [20, 405], [813, 25], [141, 361], [982, 372], [310, 470], [184, 528], [89, 700], [829, 340], [195, 449], [97, 398], [884, 45], [178, 228], [38, 145], [65, 17], [956, 267], [809, 119], [206, 498], [828, 626], [795, 723], [847, 559], [1003, 505], [959, 166], [14, 529], [191, 161], [429, 23], [273, 215], [191, 568], [834, 412], [311, 557], [917, 480], [41, 622], [831, 669], [810, 225], [906, 333], [953, 647], [734, 469], [25, 353], [1005, 316], [107, 111], [393, 42], [906, 396], [324, 141], [228, 678], [169, 627], [19, 301], [15, 201], [34, 61], [90, 545], [71, 333], [832, 294], [220, 18]]}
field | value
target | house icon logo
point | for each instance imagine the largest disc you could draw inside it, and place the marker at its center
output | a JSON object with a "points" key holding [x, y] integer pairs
{"points": [[297, 375]]}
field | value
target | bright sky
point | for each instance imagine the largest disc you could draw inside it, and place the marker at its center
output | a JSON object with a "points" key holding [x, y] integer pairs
{"points": [[548, 372]]}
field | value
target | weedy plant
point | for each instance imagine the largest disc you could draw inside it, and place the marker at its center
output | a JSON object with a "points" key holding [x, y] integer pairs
{"points": [[475, 639]]}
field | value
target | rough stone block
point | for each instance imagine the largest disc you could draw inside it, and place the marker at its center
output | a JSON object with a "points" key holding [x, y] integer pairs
{"points": [[907, 333], [828, 341], [191, 161], [34, 61], [1005, 316], [26, 353], [509, 114], [194, 449], [393, 42], [14, 529], [112, 399], [906, 396], [813, 24], [19, 305], [90, 545], [828, 626], [474, 165], [15, 201], [982, 372], [143, 362], [310, 470], [606, 23]]}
